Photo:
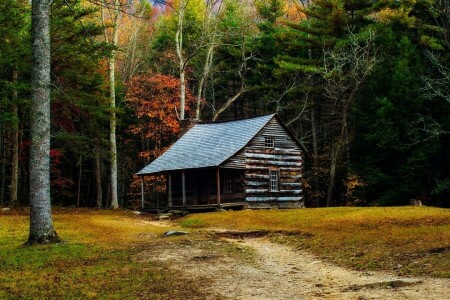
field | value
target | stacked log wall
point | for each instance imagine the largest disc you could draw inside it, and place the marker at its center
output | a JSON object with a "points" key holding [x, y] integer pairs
{"points": [[285, 156], [237, 161]]}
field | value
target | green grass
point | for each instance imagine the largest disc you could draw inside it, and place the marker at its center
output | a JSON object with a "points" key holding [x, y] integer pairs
{"points": [[192, 223], [96, 261], [406, 240]]}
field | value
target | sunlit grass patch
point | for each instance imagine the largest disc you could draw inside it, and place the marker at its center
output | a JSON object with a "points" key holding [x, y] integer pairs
{"points": [[95, 260], [192, 223], [407, 240]]}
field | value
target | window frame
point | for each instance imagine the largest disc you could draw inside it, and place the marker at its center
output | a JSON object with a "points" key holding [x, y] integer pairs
{"points": [[269, 142], [228, 182], [274, 185]]}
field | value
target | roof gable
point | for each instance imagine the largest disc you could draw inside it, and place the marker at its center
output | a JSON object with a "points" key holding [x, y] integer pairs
{"points": [[207, 145]]}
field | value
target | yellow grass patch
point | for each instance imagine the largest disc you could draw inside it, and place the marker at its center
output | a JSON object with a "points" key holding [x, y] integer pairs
{"points": [[407, 240], [100, 256], [96, 260]]}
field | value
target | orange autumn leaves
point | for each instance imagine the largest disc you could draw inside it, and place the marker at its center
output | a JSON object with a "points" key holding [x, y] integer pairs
{"points": [[155, 101]]}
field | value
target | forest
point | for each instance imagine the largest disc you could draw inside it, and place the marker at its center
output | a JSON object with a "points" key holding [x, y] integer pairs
{"points": [[364, 86]]}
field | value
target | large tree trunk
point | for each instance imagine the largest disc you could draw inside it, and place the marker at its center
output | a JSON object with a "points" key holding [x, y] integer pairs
{"points": [[113, 121], [15, 144], [41, 225]]}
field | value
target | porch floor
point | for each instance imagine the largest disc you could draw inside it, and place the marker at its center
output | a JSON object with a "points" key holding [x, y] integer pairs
{"points": [[210, 207]]}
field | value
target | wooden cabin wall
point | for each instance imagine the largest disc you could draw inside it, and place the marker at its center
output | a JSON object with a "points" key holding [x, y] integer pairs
{"points": [[286, 156], [237, 161]]}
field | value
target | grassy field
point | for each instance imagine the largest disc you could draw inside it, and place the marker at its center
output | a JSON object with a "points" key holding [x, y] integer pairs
{"points": [[406, 240], [97, 260], [99, 256]]}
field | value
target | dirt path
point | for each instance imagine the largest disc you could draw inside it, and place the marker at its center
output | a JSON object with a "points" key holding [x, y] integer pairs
{"points": [[287, 274], [277, 271]]}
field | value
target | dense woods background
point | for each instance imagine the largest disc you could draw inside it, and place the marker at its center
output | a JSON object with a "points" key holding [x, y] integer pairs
{"points": [[365, 86]]}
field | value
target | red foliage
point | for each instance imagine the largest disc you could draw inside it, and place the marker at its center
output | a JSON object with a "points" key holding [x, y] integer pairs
{"points": [[156, 97], [64, 115], [61, 185], [58, 182], [155, 100], [55, 158]]}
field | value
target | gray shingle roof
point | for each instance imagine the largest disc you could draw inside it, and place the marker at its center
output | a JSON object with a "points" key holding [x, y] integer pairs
{"points": [[207, 145]]}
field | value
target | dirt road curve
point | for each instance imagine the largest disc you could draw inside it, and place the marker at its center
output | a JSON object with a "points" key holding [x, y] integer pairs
{"points": [[280, 272]]}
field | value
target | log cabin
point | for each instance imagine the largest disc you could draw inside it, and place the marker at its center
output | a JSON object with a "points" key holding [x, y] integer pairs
{"points": [[255, 162]]}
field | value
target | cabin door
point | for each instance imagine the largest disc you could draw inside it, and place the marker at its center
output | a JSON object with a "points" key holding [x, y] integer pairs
{"points": [[202, 190]]}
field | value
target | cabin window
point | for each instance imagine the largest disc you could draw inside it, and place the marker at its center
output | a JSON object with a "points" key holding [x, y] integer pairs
{"points": [[232, 181], [269, 142], [228, 182], [274, 176]]}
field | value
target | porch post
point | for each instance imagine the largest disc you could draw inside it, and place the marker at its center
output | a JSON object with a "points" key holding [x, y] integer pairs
{"points": [[142, 192], [170, 188], [183, 184], [218, 185]]}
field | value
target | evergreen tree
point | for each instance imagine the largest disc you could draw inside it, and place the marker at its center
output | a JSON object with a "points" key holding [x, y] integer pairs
{"points": [[14, 74], [79, 106]]}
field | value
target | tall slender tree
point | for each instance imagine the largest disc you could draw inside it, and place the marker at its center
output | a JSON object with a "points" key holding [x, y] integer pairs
{"points": [[41, 225], [15, 142], [114, 41]]}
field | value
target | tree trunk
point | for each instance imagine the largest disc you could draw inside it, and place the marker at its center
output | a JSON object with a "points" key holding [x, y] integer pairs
{"points": [[182, 63], [2, 201], [3, 161], [41, 225], [205, 73], [108, 195], [228, 103], [333, 161], [113, 121], [337, 147], [98, 175], [183, 92], [15, 144], [315, 151], [80, 173]]}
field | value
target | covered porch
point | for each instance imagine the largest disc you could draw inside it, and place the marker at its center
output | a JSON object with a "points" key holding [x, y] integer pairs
{"points": [[201, 189]]}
